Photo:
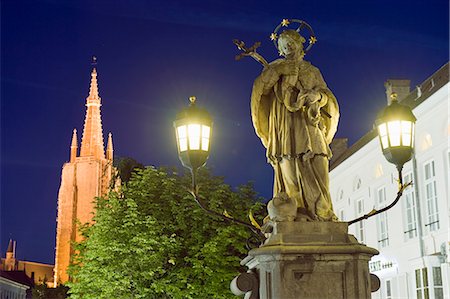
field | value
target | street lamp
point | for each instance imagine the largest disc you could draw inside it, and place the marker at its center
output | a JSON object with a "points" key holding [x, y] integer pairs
{"points": [[193, 130], [193, 126], [395, 126]]}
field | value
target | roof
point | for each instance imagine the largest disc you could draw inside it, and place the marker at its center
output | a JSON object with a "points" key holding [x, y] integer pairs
{"points": [[17, 276], [421, 93]]}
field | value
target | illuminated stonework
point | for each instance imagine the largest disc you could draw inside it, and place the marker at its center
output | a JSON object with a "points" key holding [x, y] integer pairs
{"points": [[83, 178]]}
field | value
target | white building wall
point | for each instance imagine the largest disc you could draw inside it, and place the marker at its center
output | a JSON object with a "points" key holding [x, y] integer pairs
{"points": [[10, 289], [364, 173]]}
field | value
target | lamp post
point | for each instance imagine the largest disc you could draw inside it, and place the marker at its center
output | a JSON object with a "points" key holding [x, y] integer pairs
{"points": [[395, 126], [193, 128]]}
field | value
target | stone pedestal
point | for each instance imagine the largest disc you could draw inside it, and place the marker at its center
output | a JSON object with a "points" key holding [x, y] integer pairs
{"points": [[311, 260]]}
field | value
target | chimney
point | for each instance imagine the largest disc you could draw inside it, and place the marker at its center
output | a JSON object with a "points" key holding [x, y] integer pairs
{"points": [[400, 87]]}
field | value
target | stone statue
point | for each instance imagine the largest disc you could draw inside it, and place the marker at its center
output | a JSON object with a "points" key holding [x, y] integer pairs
{"points": [[296, 115]]}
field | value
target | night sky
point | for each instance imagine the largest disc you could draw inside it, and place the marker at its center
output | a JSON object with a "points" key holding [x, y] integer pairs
{"points": [[153, 55]]}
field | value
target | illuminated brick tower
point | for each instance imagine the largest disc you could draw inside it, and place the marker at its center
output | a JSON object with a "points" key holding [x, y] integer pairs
{"points": [[83, 178]]}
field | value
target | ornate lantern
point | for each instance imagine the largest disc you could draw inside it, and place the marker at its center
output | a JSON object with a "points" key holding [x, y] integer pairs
{"points": [[395, 125], [193, 132]]}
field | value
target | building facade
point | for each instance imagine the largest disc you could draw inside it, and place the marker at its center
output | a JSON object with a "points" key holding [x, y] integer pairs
{"points": [[87, 175], [413, 236], [38, 273], [15, 285]]}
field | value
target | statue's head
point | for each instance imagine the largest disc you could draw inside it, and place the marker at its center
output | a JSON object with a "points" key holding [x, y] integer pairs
{"points": [[290, 44]]}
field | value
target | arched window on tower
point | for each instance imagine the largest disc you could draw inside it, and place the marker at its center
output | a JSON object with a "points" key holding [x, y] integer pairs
{"points": [[356, 184], [340, 195]]}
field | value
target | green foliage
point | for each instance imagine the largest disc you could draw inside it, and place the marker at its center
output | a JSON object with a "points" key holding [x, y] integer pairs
{"points": [[151, 240]]}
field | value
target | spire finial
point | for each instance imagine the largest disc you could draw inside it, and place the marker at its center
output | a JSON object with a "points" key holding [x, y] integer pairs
{"points": [[94, 61], [109, 147], [74, 146], [74, 139], [93, 91], [192, 99]]}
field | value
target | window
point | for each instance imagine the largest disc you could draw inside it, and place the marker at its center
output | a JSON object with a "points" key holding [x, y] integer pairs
{"points": [[340, 195], [437, 283], [360, 224], [448, 166], [388, 289], [379, 170], [432, 221], [382, 221], [356, 184], [448, 160], [422, 291], [409, 210], [429, 287]]}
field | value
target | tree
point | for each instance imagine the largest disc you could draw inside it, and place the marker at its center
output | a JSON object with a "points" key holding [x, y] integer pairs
{"points": [[126, 166], [151, 240]]}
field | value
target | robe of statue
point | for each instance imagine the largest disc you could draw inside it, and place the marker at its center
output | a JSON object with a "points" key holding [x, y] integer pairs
{"points": [[296, 135]]}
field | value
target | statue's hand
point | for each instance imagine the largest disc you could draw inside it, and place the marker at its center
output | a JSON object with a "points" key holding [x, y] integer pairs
{"points": [[297, 105], [315, 101], [286, 68], [272, 73], [313, 96]]}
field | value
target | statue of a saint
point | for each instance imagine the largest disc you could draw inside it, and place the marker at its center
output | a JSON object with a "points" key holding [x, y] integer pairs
{"points": [[296, 116]]}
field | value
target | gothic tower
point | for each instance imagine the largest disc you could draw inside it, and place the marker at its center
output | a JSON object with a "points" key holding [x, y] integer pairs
{"points": [[83, 178], [10, 263]]}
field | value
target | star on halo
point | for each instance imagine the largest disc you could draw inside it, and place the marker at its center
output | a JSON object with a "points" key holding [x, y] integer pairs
{"points": [[273, 36], [312, 40], [285, 22]]}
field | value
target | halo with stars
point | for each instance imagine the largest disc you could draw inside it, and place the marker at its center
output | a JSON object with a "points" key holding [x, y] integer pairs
{"points": [[302, 25]]}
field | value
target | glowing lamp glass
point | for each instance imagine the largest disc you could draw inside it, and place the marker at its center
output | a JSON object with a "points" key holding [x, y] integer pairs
{"points": [[406, 133], [194, 136], [395, 125], [394, 129], [205, 137], [382, 132], [182, 138], [193, 127]]}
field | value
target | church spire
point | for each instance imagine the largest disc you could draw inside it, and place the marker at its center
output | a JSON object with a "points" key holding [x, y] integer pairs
{"points": [[92, 141], [109, 148], [11, 246], [93, 91], [73, 146]]}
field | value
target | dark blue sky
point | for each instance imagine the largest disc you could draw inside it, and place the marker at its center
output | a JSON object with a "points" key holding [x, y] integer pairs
{"points": [[153, 55]]}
